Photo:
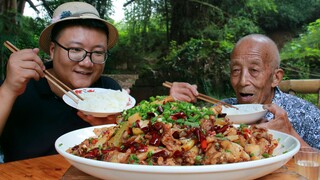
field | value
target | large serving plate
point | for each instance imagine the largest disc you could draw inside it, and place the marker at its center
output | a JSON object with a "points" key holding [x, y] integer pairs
{"points": [[245, 114], [288, 146], [131, 102]]}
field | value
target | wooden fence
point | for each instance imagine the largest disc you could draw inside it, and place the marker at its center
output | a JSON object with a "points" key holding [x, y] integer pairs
{"points": [[303, 86]]}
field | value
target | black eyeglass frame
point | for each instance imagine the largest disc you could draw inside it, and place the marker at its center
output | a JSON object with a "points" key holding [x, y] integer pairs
{"points": [[87, 52]]}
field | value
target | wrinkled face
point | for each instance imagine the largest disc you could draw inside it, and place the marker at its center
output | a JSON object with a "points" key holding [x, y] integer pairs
{"points": [[78, 74], [251, 74]]}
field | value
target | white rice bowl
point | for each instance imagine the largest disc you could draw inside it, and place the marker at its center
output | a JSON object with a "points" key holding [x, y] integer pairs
{"points": [[245, 114], [106, 101], [243, 109]]}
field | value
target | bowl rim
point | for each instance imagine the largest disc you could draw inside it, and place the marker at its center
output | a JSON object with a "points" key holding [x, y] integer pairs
{"points": [[71, 103], [247, 113]]}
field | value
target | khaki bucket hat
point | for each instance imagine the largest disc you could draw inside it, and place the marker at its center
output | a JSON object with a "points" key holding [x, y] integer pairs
{"points": [[75, 10]]}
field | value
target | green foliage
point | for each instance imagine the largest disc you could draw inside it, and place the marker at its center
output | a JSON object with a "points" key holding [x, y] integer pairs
{"points": [[198, 31], [307, 45], [301, 57], [22, 31], [200, 61], [238, 27], [144, 27], [272, 15], [261, 6], [312, 98], [201, 32]]}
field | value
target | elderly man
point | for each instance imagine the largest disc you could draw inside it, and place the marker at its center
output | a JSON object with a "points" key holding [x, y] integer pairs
{"points": [[255, 75], [33, 114]]}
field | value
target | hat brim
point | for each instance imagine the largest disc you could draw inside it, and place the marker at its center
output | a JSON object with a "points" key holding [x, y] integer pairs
{"points": [[45, 36]]}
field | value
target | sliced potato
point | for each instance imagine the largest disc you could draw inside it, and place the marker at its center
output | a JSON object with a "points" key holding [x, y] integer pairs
{"points": [[132, 119], [116, 139]]}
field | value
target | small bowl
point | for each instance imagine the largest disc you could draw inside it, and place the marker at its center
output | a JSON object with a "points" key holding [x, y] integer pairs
{"points": [[81, 91], [245, 114]]}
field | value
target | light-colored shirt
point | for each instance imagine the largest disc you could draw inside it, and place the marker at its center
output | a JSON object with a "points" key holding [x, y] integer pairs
{"points": [[304, 116]]}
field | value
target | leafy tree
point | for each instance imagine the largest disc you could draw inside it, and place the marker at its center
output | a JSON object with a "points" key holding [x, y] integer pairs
{"points": [[301, 57], [200, 61], [289, 14], [195, 35]]}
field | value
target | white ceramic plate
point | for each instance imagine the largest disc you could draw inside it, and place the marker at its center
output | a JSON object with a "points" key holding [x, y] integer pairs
{"points": [[245, 114], [70, 102], [288, 146]]}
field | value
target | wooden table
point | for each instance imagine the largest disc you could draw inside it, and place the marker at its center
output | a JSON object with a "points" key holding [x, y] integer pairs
{"points": [[56, 167], [48, 167]]}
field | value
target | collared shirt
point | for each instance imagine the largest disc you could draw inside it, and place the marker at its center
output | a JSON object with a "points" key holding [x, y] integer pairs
{"points": [[304, 116], [38, 118]]}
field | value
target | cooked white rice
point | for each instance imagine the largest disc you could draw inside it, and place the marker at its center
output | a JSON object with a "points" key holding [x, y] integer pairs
{"points": [[107, 101], [243, 109]]}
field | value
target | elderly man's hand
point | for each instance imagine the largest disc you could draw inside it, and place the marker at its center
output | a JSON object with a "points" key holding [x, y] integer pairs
{"points": [[184, 92], [280, 121], [95, 121]]}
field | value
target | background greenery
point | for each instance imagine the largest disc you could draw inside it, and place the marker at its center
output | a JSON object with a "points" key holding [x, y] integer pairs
{"points": [[188, 40]]}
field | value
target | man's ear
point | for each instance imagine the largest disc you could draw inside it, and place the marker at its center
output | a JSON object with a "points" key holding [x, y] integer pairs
{"points": [[51, 48], [277, 77]]}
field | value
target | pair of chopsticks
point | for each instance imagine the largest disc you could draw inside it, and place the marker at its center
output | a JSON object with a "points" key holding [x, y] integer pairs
{"points": [[50, 77], [203, 97]]}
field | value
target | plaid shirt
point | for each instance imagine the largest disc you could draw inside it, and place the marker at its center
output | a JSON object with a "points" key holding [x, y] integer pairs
{"points": [[304, 116]]}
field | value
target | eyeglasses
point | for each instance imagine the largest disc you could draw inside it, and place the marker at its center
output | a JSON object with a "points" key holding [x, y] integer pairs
{"points": [[79, 54]]}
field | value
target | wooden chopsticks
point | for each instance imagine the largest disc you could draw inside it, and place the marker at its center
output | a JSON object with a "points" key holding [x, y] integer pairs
{"points": [[50, 77], [203, 97]]}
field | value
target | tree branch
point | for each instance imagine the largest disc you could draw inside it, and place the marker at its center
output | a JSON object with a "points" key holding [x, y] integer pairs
{"points": [[127, 3], [33, 6]]}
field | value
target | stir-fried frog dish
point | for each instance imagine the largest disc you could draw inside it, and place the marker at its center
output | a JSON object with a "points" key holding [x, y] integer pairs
{"points": [[167, 132]]}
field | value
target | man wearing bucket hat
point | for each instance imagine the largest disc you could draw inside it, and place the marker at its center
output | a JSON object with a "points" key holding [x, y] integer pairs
{"points": [[35, 114]]}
